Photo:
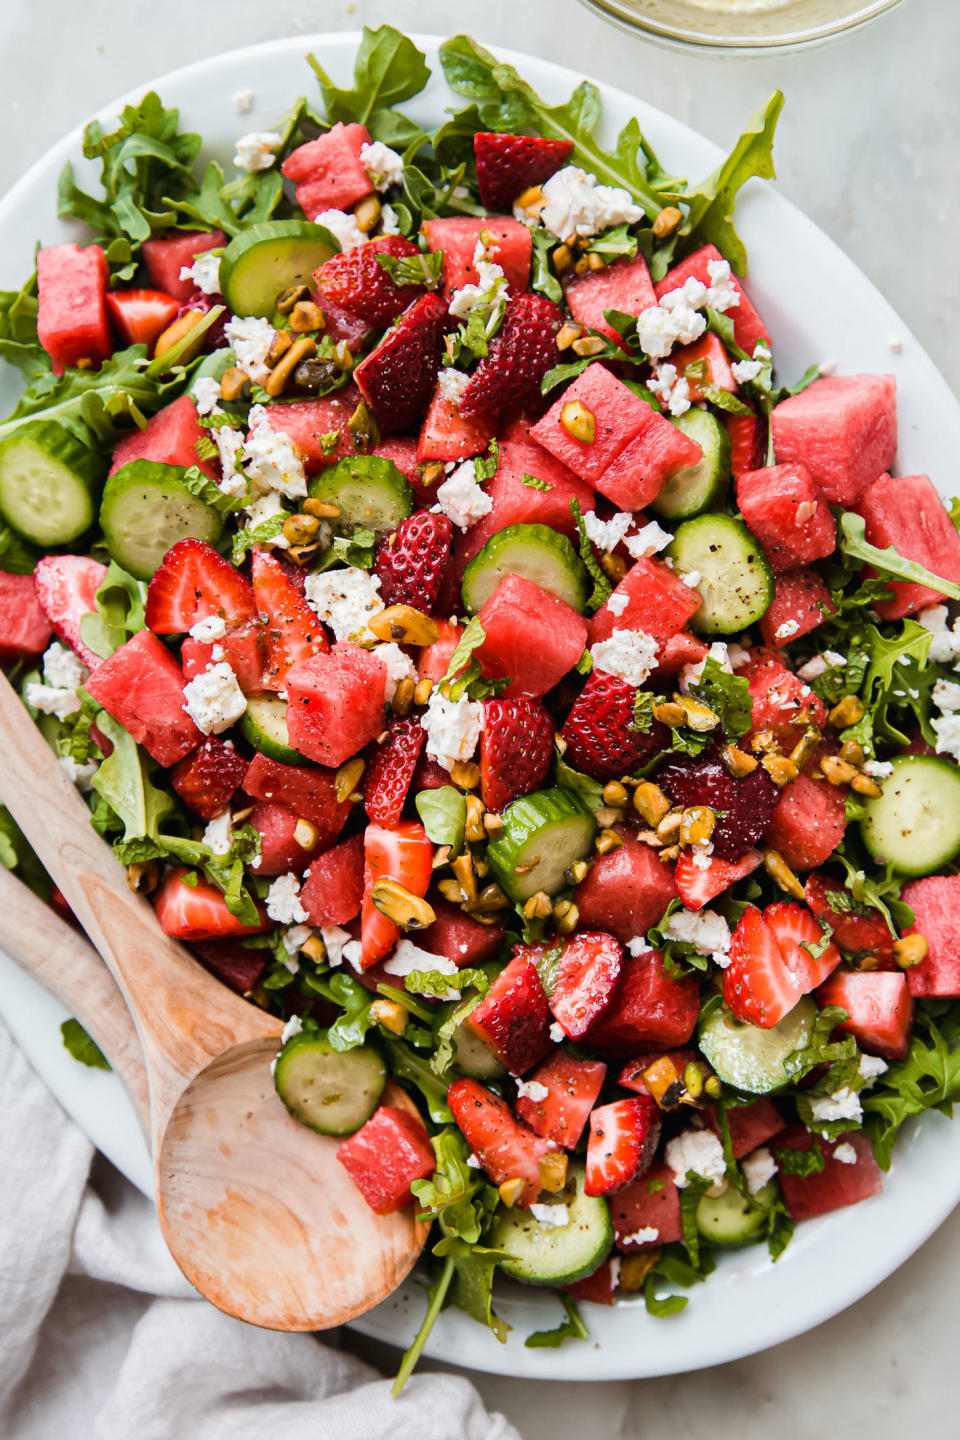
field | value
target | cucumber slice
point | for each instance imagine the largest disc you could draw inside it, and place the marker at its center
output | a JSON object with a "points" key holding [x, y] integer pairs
{"points": [[264, 724], [333, 1092], [369, 491], [547, 830], [556, 1254], [537, 553], [702, 486], [267, 259], [146, 508], [735, 582], [49, 483], [728, 1220], [473, 1057], [915, 824], [211, 367], [750, 1058]]}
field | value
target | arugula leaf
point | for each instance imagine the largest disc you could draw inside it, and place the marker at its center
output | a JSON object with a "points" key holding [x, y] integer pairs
{"points": [[472, 1288], [602, 588], [436, 1300], [228, 872], [615, 242], [444, 815], [876, 894], [424, 269], [19, 342], [90, 403], [388, 69], [727, 696], [80, 1045], [350, 1028], [852, 541], [123, 782], [449, 1193], [927, 1079], [119, 613], [674, 1268], [572, 1328]]}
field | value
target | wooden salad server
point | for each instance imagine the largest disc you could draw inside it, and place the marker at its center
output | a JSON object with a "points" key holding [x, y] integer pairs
{"points": [[256, 1209]]}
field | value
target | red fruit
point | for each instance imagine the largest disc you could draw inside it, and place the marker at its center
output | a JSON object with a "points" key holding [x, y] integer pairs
{"points": [[650, 1203], [801, 602], [750, 1125], [710, 351], [618, 414], [600, 1288], [141, 685], [748, 803], [642, 468], [648, 1008], [626, 891], [336, 703], [572, 1088], [530, 636], [433, 662], [333, 889], [459, 937], [681, 649], [457, 238], [514, 501], [198, 912], [318, 428], [657, 602], [170, 438], [24, 628], [698, 883], [305, 789], [623, 1141], [517, 359], [292, 632], [448, 435], [207, 780], [625, 285], [748, 443], [356, 280], [391, 769], [242, 649], [66, 588], [836, 1185], [858, 929], [908, 514], [601, 739], [166, 255], [72, 322], [398, 377], [139, 316], [843, 429], [280, 851], [633, 1076], [748, 328], [192, 583], [586, 979], [399, 852], [936, 909], [513, 1018], [385, 1156], [879, 1006], [798, 932], [327, 172], [516, 748], [780, 698], [786, 512], [506, 1149], [410, 562], [401, 450], [809, 822], [758, 985], [236, 966], [509, 164]]}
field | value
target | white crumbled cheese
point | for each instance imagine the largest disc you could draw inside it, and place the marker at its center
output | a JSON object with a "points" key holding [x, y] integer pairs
{"points": [[746, 370], [817, 664], [648, 540], [345, 600], [217, 652], [408, 957], [557, 1033], [947, 730], [659, 329], [646, 1235], [250, 337], [211, 627], [618, 601], [452, 383], [671, 389], [229, 443], [488, 293], [294, 1026], [271, 460], [206, 395], [462, 499], [243, 101], [343, 227], [845, 1154], [219, 833], [52, 700], [383, 165], [577, 205], [214, 700], [638, 946], [896, 344], [691, 578], [758, 1169], [255, 151], [79, 774], [631, 654], [699, 1151], [705, 930], [399, 667], [532, 1090], [389, 221], [843, 1104], [204, 274], [283, 901], [453, 729], [335, 940], [946, 695], [945, 645], [259, 511], [878, 769], [556, 1216], [62, 668], [690, 674], [607, 534], [296, 937], [701, 856], [473, 1162], [738, 655], [871, 1067], [788, 628]]}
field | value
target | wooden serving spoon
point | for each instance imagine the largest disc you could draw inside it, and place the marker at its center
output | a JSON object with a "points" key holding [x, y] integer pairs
{"points": [[255, 1208]]}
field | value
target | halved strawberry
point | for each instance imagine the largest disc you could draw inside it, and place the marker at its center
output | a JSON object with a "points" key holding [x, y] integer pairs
{"points": [[516, 748], [800, 938], [586, 978], [513, 1018], [307, 790], [66, 587], [506, 1149], [509, 164], [397, 378], [858, 930], [572, 1087], [356, 280], [758, 985], [199, 912], [399, 852], [748, 443], [391, 769], [292, 633], [699, 877], [411, 561], [599, 731], [193, 582], [519, 356], [623, 1141], [207, 779]]}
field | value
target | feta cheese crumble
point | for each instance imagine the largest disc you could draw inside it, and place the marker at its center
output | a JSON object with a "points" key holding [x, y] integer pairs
{"points": [[690, 674], [705, 930], [817, 664], [945, 645], [557, 1033], [206, 395], [843, 1104], [631, 654], [788, 628], [389, 221], [271, 460], [452, 383], [699, 1151], [646, 1235], [249, 337], [746, 370], [399, 667], [671, 389], [488, 293], [453, 729], [342, 227], [214, 700], [383, 165], [462, 499], [255, 151], [845, 1154], [878, 769], [204, 274], [555, 1216], [345, 600], [78, 773], [283, 901], [758, 1169], [638, 946], [871, 1067], [210, 628], [407, 958], [617, 602], [648, 540], [340, 946], [63, 674], [607, 534], [576, 204], [676, 318], [219, 833], [947, 730], [946, 695], [243, 101], [532, 1090]]}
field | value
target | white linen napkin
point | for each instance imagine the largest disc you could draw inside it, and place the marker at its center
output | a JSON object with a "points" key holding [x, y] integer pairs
{"points": [[101, 1338]]}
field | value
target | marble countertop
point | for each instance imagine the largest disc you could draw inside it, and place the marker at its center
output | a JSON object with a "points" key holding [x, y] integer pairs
{"points": [[867, 147]]}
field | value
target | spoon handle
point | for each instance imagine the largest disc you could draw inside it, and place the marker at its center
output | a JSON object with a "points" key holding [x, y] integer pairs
{"points": [[65, 964]]}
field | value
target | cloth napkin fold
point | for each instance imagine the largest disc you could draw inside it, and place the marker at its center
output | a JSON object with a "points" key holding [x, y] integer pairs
{"points": [[101, 1338]]}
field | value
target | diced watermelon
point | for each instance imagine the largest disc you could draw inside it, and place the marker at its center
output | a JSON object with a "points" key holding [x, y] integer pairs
{"points": [[433, 661], [599, 1288], [506, 1149], [859, 930], [879, 1005], [517, 503], [748, 328], [24, 628], [679, 650], [572, 1089], [170, 439], [625, 891], [780, 698], [448, 435], [280, 851], [327, 171], [306, 790], [619, 415], [644, 466], [625, 285], [66, 588], [770, 501], [698, 883], [530, 635], [650, 1203], [198, 911], [166, 255], [936, 909], [207, 779], [585, 980], [843, 429], [513, 1018], [333, 890], [312, 425], [231, 962], [385, 1156], [709, 349], [800, 603], [458, 237], [72, 319], [908, 514], [658, 602], [336, 703], [243, 650], [836, 1185], [459, 937], [809, 822], [648, 1007], [750, 1125], [141, 685], [400, 852]]}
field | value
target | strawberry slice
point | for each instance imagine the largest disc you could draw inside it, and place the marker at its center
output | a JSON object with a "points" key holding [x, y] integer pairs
{"points": [[623, 1141], [513, 1018], [601, 740], [397, 378], [410, 562], [758, 984], [748, 443], [586, 978], [506, 1149], [509, 164], [66, 587], [699, 877], [516, 749], [800, 938], [357, 281], [307, 790], [391, 770], [399, 852], [208, 779], [198, 912], [192, 583], [293, 633], [519, 357], [572, 1087]]}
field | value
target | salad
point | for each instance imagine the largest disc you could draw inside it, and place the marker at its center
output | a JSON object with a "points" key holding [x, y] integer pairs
{"points": [[484, 660]]}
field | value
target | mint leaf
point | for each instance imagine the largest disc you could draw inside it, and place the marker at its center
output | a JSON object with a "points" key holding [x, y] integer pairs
{"points": [[927, 1079], [800, 1162], [486, 466], [533, 483], [852, 541], [572, 1328], [602, 588], [80, 1045], [444, 815], [587, 789]]}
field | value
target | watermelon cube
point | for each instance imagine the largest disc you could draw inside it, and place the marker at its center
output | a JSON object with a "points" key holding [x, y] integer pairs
{"points": [[780, 698], [141, 686], [336, 703], [170, 439], [748, 328], [433, 662], [243, 650], [333, 889], [231, 962], [679, 650], [306, 790], [843, 429], [785, 511], [650, 1203], [625, 285], [626, 891], [166, 255], [618, 415], [644, 466], [459, 937], [448, 435], [385, 1156], [530, 635], [517, 503], [572, 1089], [458, 238], [936, 909], [513, 1018], [506, 1149], [908, 513], [750, 1125], [808, 823], [313, 424], [658, 602], [800, 603], [600, 1287], [879, 1005], [859, 930], [648, 1007], [280, 851], [837, 1184], [208, 779], [717, 370], [24, 628], [72, 319], [327, 172]]}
